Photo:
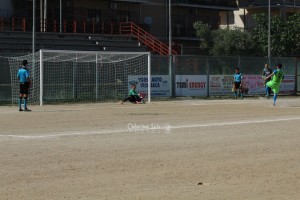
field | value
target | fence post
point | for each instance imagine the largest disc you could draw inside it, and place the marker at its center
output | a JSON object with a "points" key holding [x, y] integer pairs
{"points": [[96, 77], [102, 28], [41, 77], [172, 72], [297, 61], [23, 24], [207, 72]]}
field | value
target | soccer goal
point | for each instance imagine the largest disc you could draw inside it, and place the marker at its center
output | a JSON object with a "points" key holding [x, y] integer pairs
{"points": [[82, 76]]}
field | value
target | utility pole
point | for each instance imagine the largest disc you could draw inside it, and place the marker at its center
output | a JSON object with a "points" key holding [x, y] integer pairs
{"points": [[269, 32], [60, 16], [33, 27], [170, 51]]}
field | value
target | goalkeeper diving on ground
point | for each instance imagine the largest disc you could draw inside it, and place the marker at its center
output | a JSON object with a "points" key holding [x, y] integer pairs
{"points": [[134, 96]]}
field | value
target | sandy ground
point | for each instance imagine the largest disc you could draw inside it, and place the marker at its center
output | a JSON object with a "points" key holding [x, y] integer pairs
{"points": [[196, 149]]}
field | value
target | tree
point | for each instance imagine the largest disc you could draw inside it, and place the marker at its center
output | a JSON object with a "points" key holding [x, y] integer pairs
{"points": [[228, 42], [285, 35], [260, 34], [204, 32], [285, 38], [231, 42]]}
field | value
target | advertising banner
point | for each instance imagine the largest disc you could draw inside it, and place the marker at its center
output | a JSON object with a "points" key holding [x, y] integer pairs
{"points": [[252, 84], [160, 84], [256, 85], [191, 85], [288, 85], [220, 85]]}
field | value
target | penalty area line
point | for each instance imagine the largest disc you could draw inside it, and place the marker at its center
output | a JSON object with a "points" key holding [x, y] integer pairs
{"points": [[170, 127]]}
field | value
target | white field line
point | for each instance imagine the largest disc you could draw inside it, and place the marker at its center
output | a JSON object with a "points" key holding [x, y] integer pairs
{"points": [[159, 128]]}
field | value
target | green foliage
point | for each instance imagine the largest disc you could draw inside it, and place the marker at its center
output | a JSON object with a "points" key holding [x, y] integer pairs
{"points": [[231, 42], [285, 38], [291, 35], [204, 32], [223, 42], [285, 35], [260, 34]]}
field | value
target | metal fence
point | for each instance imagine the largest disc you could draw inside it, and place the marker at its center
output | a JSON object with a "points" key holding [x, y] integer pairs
{"points": [[193, 65], [5, 81], [213, 76], [209, 68]]}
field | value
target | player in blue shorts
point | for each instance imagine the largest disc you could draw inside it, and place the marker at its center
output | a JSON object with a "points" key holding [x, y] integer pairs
{"points": [[237, 83], [23, 77]]}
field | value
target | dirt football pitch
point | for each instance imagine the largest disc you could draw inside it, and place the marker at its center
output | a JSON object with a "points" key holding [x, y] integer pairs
{"points": [[169, 150]]}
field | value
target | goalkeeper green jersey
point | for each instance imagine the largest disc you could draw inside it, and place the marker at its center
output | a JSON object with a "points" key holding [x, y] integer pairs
{"points": [[132, 92]]}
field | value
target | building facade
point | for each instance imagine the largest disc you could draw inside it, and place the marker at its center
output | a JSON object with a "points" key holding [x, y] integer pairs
{"points": [[104, 16], [243, 17], [152, 15]]}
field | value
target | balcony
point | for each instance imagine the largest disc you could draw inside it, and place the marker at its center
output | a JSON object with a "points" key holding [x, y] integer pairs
{"points": [[209, 4]]}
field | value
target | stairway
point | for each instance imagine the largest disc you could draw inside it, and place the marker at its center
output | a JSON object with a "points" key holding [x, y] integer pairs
{"points": [[129, 28]]}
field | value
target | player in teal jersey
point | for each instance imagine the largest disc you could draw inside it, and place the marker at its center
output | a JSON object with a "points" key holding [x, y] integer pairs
{"points": [[277, 77], [237, 85], [133, 96], [24, 79]]}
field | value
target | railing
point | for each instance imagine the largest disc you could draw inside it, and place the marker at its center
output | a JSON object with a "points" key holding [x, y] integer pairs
{"points": [[88, 27], [129, 28], [13, 24], [68, 26]]}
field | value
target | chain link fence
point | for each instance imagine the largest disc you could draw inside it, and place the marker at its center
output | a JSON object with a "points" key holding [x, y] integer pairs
{"points": [[213, 76], [196, 75]]}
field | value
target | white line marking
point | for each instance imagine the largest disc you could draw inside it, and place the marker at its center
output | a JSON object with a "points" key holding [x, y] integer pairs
{"points": [[159, 128], [64, 134], [235, 123]]}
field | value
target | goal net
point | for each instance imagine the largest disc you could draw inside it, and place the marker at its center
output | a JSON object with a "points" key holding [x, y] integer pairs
{"points": [[82, 76]]}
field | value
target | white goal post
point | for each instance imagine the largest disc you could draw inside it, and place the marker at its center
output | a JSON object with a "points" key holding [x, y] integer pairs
{"points": [[83, 76]]}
